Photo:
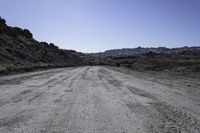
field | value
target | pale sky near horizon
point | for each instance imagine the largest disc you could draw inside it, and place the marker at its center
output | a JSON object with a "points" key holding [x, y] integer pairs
{"points": [[99, 25]]}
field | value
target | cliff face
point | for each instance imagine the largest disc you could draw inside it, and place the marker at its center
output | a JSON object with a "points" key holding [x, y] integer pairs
{"points": [[19, 51]]}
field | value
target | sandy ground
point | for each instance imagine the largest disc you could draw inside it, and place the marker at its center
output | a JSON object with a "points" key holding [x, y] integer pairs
{"points": [[98, 100]]}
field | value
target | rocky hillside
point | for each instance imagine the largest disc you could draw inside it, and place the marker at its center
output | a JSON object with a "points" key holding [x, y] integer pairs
{"points": [[19, 51]]}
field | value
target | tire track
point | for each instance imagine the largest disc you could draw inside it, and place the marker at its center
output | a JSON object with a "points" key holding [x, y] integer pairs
{"points": [[91, 100], [170, 118]]}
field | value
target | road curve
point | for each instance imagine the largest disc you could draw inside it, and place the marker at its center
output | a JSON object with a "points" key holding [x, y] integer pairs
{"points": [[96, 99]]}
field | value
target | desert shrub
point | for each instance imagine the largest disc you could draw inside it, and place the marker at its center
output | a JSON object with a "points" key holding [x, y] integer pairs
{"points": [[2, 21], [8, 50], [195, 68], [44, 43], [118, 64], [27, 33], [53, 46]]}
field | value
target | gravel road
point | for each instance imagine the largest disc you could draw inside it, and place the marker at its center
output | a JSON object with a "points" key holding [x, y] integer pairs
{"points": [[97, 99]]}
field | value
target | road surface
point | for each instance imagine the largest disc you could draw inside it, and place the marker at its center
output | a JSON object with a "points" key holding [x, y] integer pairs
{"points": [[96, 99]]}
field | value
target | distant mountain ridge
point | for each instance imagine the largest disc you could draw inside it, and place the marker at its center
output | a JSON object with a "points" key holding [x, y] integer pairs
{"points": [[19, 51], [140, 50], [183, 60]]}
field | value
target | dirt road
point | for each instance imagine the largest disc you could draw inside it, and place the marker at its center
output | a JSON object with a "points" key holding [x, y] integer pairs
{"points": [[98, 100]]}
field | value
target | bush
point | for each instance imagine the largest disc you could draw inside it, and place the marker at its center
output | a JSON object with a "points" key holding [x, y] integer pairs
{"points": [[118, 64], [2, 21], [53, 46], [27, 33]]}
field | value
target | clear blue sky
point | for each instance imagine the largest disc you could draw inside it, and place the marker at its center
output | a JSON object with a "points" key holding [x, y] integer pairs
{"points": [[98, 25]]}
